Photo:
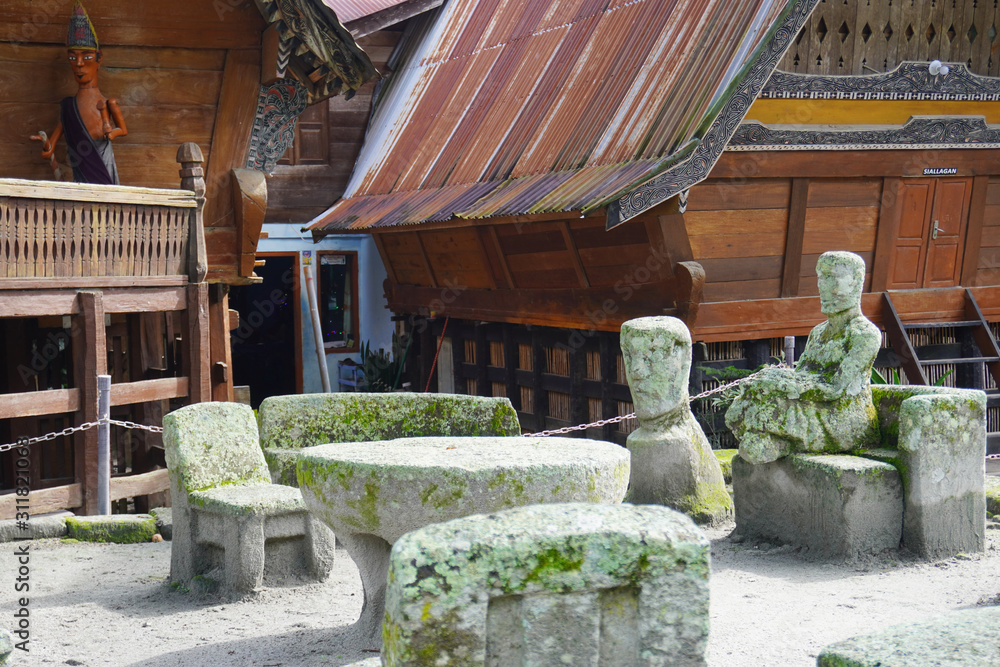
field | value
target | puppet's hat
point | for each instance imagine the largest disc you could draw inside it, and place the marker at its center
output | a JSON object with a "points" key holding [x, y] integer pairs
{"points": [[81, 30]]}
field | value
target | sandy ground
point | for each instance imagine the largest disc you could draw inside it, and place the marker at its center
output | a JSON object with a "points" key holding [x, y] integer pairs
{"points": [[99, 604]]}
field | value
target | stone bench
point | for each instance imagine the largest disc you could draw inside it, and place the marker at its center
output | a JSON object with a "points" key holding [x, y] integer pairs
{"points": [[578, 584], [228, 519], [924, 487], [372, 493], [289, 423], [970, 638]]}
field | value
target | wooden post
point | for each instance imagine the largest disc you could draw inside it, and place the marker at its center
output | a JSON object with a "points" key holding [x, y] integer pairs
{"points": [[90, 352], [193, 178], [198, 347], [222, 356]]}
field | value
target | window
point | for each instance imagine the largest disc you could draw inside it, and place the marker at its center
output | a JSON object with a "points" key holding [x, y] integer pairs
{"points": [[338, 304], [312, 143]]}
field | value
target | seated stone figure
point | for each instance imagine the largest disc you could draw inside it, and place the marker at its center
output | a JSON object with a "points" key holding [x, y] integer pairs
{"points": [[825, 404]]}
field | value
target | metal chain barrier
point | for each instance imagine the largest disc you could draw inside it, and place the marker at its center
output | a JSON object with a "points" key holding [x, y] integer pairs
{"points": [[621, 418], [74, 429]]}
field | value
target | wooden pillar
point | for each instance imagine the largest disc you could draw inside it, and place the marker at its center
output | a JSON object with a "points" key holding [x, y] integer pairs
{"points": [[609, 372], [758, 352], [197, 345], [222, 355], [90, 359], [510, 358], [193, 178], [485, 388], [458, 356], [541, 398], [579, 412]]}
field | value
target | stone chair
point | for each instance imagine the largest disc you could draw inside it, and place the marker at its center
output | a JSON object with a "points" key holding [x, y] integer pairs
{"points": [[227, 514], [575, 583], [289, 423], [922, 488]]}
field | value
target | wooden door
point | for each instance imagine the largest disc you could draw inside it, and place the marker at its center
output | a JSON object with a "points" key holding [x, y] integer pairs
{"points": [[930, 236]]}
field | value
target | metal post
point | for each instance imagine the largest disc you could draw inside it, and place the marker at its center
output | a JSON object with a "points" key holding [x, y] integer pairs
{"points": [[311, 288], [790, 350], [104, 444]]}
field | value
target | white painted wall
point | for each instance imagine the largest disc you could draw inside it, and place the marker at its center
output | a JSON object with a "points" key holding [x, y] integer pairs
{"points": [[373, 316]]}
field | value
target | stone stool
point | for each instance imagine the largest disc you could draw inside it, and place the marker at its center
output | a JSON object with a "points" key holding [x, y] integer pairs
{"points": [[574, 584]]}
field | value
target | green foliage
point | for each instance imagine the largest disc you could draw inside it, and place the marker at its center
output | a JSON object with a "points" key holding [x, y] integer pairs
{"points": [[380, 367]]}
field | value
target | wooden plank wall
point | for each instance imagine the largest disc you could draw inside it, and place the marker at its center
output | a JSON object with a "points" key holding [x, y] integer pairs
{"points": [[299, 192], [989, 252], [737, 233], [170, 66]]}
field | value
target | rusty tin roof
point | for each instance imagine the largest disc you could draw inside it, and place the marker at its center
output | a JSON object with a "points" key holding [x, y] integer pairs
{"points": [[507, 107]]}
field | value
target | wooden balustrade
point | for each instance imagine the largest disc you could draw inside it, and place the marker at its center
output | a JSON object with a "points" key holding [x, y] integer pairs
{"points": [[79, 234]]}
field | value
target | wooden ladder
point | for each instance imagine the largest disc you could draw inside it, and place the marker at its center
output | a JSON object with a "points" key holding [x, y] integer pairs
{"points": [[978, 347]]}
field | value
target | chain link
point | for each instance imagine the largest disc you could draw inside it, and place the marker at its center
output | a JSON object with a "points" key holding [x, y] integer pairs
{"points": [[127, 424], [75, 429], [621, 418]]}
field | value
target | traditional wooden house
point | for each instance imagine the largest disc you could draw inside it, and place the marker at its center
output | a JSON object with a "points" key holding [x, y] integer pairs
{"points": [[535, 175], [132, 280]]}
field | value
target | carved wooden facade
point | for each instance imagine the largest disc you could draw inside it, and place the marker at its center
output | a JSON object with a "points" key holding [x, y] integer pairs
{"points": [[856, 37]]}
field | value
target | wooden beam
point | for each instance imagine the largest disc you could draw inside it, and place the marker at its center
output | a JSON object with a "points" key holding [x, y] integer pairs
{"points": [[35, 403], [675, 237], [888, 225], [96, 281], [427, 262], [143, 391], [793, 239], [249, 207], [44, 500], [144, 484], [392, 15], [37, 304], [90, 352], [597, 308], [386, 261], [231, 136], [974, 234], [145, 300], [574, 254], [102, 194], [504, 266], [467, 222], [486, 263], [846, 164]]}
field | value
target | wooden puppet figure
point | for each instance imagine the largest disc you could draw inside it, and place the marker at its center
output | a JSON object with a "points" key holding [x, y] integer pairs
{"points": [[89, 121]]}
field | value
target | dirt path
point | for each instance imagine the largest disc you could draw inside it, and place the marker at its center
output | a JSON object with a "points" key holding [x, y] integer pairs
{"points": [[98, 604]]}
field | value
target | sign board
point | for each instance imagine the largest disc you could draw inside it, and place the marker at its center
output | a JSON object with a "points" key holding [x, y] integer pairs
{"points": [[940, 171]]}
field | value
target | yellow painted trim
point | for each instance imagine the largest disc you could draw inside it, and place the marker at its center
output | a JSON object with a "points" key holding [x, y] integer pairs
{"points": [[863, 112]]}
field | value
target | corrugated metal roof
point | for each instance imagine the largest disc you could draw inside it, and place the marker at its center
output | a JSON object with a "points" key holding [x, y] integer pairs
{"points": [[350, 10], [506, 107]]}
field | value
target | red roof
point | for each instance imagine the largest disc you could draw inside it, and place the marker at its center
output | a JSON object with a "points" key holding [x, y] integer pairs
{"points": [[506, 108]]}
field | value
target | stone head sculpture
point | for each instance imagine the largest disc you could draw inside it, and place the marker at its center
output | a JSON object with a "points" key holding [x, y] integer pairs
{"points": [[657, 355], [841, 277]]}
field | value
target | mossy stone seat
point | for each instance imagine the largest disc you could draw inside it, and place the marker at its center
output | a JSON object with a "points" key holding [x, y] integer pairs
{"points": [[226, 513], [559, 584], [934, 439], [289, 423]]}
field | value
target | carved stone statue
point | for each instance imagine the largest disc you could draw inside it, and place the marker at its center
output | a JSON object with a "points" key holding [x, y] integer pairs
{"points": [[672, 460], [89, 121], [825, 404]]}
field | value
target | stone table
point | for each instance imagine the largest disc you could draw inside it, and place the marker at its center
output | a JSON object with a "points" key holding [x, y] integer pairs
{"points": [[371, 493]]}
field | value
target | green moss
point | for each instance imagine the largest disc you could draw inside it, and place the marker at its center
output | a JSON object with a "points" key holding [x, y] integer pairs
{"points": [[367, 506], [552, 562], [725, 459], [120, 529]]}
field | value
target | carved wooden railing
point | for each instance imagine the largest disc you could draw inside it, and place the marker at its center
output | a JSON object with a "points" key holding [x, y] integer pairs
{"points": [[75, 234]]}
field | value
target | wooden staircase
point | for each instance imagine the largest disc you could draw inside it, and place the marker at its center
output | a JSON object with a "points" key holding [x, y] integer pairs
{"points": [[978, 348]]}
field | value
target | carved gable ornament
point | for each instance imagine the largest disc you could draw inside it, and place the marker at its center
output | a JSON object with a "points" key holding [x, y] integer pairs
{"points": [[278, 109]]}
